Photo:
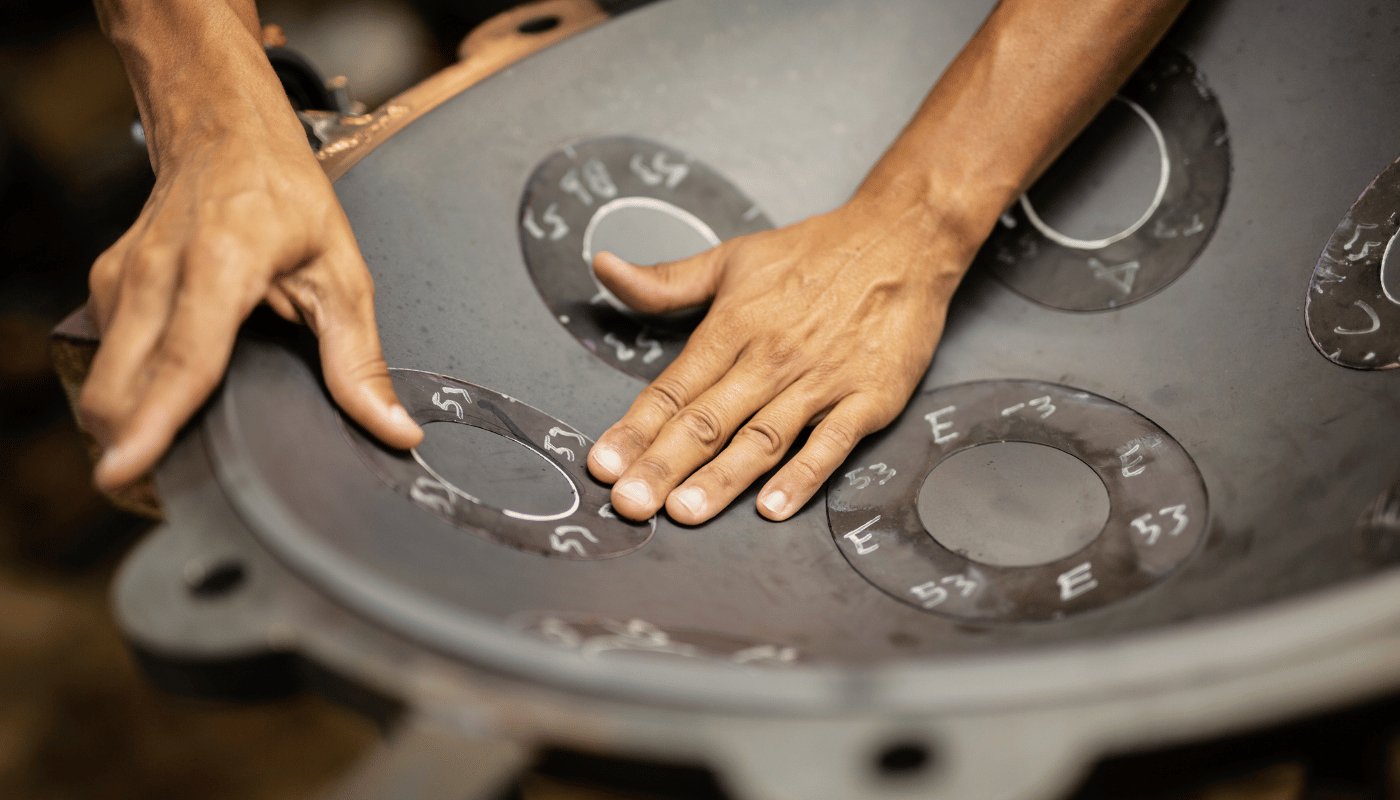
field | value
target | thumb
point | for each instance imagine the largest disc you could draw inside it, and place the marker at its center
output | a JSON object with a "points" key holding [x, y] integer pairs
{"points": [[668, 286], [351, 357]]}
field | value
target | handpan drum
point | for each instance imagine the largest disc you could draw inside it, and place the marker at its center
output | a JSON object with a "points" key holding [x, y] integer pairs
{"points": [[1131, 503]]}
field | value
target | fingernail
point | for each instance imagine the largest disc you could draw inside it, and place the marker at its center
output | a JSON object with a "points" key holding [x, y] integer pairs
{"points": [[636, 491], [692, 499], [608, 459], [775, 502]]}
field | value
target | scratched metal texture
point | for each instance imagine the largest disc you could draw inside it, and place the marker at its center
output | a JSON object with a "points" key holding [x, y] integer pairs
{"points": [[792, 101]]}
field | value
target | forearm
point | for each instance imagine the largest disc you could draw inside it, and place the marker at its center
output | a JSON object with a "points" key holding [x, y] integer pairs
{"points": [[1024, 86], [197, 69]]}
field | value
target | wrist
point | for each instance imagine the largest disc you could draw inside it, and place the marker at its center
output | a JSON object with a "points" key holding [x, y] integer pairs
{"points": [[950, 218], [199, 77]]}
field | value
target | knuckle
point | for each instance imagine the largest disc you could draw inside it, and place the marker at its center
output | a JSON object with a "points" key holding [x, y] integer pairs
{"points": [[714, 338], [721, 474], [628, 436], [701, 424], [177, 355], [780, 350], [765, 437], [144, 264], [105, 274], [666, 274], [883, 414], [651, 467], [369, 367], [824, 371], [840, 433], [215, 249], [807, 471], [666, 394], [874, 411]]}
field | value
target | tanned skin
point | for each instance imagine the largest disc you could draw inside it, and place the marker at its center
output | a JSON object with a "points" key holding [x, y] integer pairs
{"points": [[829, 322], [835, 319], [241, 214]]}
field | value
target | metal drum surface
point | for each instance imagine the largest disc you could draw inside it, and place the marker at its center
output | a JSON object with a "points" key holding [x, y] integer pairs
{"points": [[1148, 467]]}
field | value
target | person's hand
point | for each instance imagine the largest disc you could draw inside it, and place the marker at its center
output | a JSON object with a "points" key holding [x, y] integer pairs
{"points": [[833, 320], [237, 217]]}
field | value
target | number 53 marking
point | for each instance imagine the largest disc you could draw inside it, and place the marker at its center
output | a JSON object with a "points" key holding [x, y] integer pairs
{"points": [[860, 480], [1152, 532]]}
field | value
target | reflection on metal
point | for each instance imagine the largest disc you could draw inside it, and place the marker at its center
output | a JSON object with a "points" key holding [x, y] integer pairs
{"points": [[1352, 315]]}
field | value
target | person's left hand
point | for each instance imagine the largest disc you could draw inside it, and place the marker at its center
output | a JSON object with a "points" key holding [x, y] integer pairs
{"points": [[832, 320]]}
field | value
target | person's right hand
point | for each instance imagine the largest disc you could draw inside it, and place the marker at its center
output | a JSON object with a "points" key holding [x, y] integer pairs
{"points": [[239, 215]]}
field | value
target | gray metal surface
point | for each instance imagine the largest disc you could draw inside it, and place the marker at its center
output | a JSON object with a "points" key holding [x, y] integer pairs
{"points": [[1101, 228], [642, 200], [1217, 359], [1013, 504], [1277, 610], [1157, 505], [567, 515], [1353, 302]]}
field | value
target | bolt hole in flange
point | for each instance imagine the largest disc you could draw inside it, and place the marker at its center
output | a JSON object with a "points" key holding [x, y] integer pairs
{"points": [[904, 758], [539, 24], [217, 579]]}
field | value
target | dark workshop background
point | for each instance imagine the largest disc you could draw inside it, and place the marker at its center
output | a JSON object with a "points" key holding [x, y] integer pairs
{"points": [[76, 720]]}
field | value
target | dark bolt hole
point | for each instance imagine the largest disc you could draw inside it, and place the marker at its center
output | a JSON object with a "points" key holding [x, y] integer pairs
{"points": [[539, 24], [903, 759], [218, 579]]}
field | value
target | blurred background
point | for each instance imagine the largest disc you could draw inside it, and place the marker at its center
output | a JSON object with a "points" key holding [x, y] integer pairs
{"points": [[76, 719]]}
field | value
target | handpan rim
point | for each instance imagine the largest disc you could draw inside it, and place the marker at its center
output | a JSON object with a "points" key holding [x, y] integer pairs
{"points": [[1285, 636]]}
